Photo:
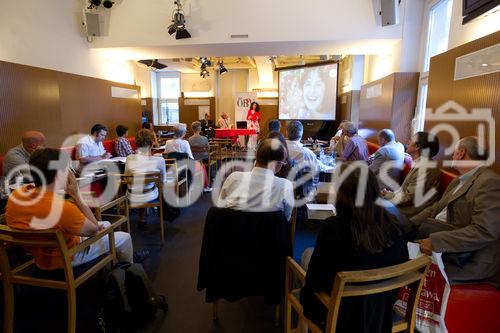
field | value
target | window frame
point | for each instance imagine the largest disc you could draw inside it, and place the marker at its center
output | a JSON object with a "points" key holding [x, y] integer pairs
{"points": [[159, 117]]}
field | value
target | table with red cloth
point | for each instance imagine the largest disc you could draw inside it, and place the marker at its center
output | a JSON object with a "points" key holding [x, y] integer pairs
{"points": [[233, 133]]}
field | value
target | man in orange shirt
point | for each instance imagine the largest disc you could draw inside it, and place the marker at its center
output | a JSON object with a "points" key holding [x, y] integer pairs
{"points": [[42, 207]]}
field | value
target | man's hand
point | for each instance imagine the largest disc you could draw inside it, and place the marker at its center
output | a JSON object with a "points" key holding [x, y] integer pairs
{"points": [[106, 155], [384, 192], [426, 246]]}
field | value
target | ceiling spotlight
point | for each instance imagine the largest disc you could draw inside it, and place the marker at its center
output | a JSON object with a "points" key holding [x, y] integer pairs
{"points": [[178, 25], [107, 3], [155, 64], [204, 73], [205, 61], [222, 69]]}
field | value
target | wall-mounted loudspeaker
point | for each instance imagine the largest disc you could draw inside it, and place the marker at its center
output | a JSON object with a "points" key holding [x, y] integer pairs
{"points": [[390, 12], [95, 23]]}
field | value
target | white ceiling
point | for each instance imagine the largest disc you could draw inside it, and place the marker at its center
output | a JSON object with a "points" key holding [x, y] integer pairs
{"points": [[138, 28]]}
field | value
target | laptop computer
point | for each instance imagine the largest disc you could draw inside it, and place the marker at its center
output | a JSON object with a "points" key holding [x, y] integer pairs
{"points": [[241, 124]]}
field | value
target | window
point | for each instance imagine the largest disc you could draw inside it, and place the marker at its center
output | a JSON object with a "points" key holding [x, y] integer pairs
{"points": [[169, 88], [436, 31]]}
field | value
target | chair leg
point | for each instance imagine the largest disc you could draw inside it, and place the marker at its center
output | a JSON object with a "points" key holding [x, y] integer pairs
{"points": [[288, 316], [214, 311], [277, 316], [71, 294], [8, 311]]}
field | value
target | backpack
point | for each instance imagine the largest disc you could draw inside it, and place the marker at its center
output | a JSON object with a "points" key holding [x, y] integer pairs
{"points": [[129, 299]]}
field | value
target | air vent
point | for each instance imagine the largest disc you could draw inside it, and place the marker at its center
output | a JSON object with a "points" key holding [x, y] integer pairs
{"points": [[239, 35], [188, 59], [176, 60]]}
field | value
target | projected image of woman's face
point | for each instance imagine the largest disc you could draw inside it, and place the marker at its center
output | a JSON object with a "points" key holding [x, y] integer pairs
{"points": [[314, 90]]}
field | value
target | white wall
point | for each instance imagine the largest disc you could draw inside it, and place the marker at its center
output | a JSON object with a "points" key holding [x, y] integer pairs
{"points": [[48, 34], [378, 66], [480, 27]]}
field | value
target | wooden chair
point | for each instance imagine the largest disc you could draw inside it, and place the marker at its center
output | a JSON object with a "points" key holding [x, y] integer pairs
{"points": [[146, 179], [51, 238], [98, 211], [177, 174], [225, 148], [347, 284], [211, 152]]}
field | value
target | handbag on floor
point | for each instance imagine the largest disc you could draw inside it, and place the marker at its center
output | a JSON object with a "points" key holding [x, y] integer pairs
{"points": [[129, 299]]}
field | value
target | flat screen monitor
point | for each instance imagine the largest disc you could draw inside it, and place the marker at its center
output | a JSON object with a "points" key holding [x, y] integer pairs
{"points": [[309, 92]]}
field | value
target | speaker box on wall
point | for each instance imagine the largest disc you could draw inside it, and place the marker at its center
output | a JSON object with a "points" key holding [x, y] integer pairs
{"points": [[92, 24], [389, 11]]}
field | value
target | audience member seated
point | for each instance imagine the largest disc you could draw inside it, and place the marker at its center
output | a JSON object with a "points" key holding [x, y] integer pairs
{"points": [[300, 154], [285, 169], [260, 190], [142, 163], [198, 140], [355, 148], [388, 160], [224, 121], [274, 125], [122, 145], [338, 141], [20, 155], [89, 148], [178, 144], [421, 179], [207, 126], [75, 220], [358, 238], [150, 127], [464, 224]]}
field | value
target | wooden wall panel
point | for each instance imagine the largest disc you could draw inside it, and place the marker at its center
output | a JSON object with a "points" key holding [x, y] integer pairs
{"points": [[393, 108], [476, 92], [403, 104], [59, 104], [267, 113], [189, 113], [375, 113]]}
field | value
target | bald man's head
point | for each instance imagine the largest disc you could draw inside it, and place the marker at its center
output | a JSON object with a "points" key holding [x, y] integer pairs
{"points": [[32, 140]]}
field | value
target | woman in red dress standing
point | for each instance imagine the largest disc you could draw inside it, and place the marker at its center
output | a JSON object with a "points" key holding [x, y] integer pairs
{"points": [[253, 118]]}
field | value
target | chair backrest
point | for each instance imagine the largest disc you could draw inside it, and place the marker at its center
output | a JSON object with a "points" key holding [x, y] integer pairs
{"points": [[176, 155], [247, 248], [109, 146], [376, 281], [372, 147], [146, 178], [408, 161], [446, 178], [132, 143], [50, 238]]}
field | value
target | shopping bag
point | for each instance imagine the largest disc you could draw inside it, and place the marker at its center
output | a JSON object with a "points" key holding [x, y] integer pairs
{"points": [[433, 300]]}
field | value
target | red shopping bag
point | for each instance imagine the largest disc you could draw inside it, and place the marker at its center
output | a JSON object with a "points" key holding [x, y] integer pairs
{"points": [[433, 297]]}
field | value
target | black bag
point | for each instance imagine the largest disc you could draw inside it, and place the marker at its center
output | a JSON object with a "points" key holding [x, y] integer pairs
{"points": [[129, 299]]}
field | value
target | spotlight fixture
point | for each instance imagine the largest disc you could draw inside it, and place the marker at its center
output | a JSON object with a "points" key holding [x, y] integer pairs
{"points": [[178, 25], [155, 64], [204, 73], [107, 4], [96, 3], [222, 69], [205, 61]]}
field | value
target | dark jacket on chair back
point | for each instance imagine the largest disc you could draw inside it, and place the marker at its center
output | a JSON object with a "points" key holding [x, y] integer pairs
{"points": [[243, 254]]}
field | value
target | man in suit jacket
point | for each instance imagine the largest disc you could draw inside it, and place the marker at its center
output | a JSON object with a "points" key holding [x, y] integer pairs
{"points": [[413, 196], [470, 210]]}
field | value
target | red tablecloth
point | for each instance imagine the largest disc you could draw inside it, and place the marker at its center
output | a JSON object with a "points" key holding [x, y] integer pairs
{"points": [[231, 132]]}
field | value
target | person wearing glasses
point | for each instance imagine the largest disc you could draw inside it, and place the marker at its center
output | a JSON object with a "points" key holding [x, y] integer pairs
{"points": [[260, 190]]}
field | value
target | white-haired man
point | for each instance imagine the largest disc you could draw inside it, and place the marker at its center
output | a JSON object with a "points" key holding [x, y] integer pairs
{"points": [[464, 224], [178, 144]]}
